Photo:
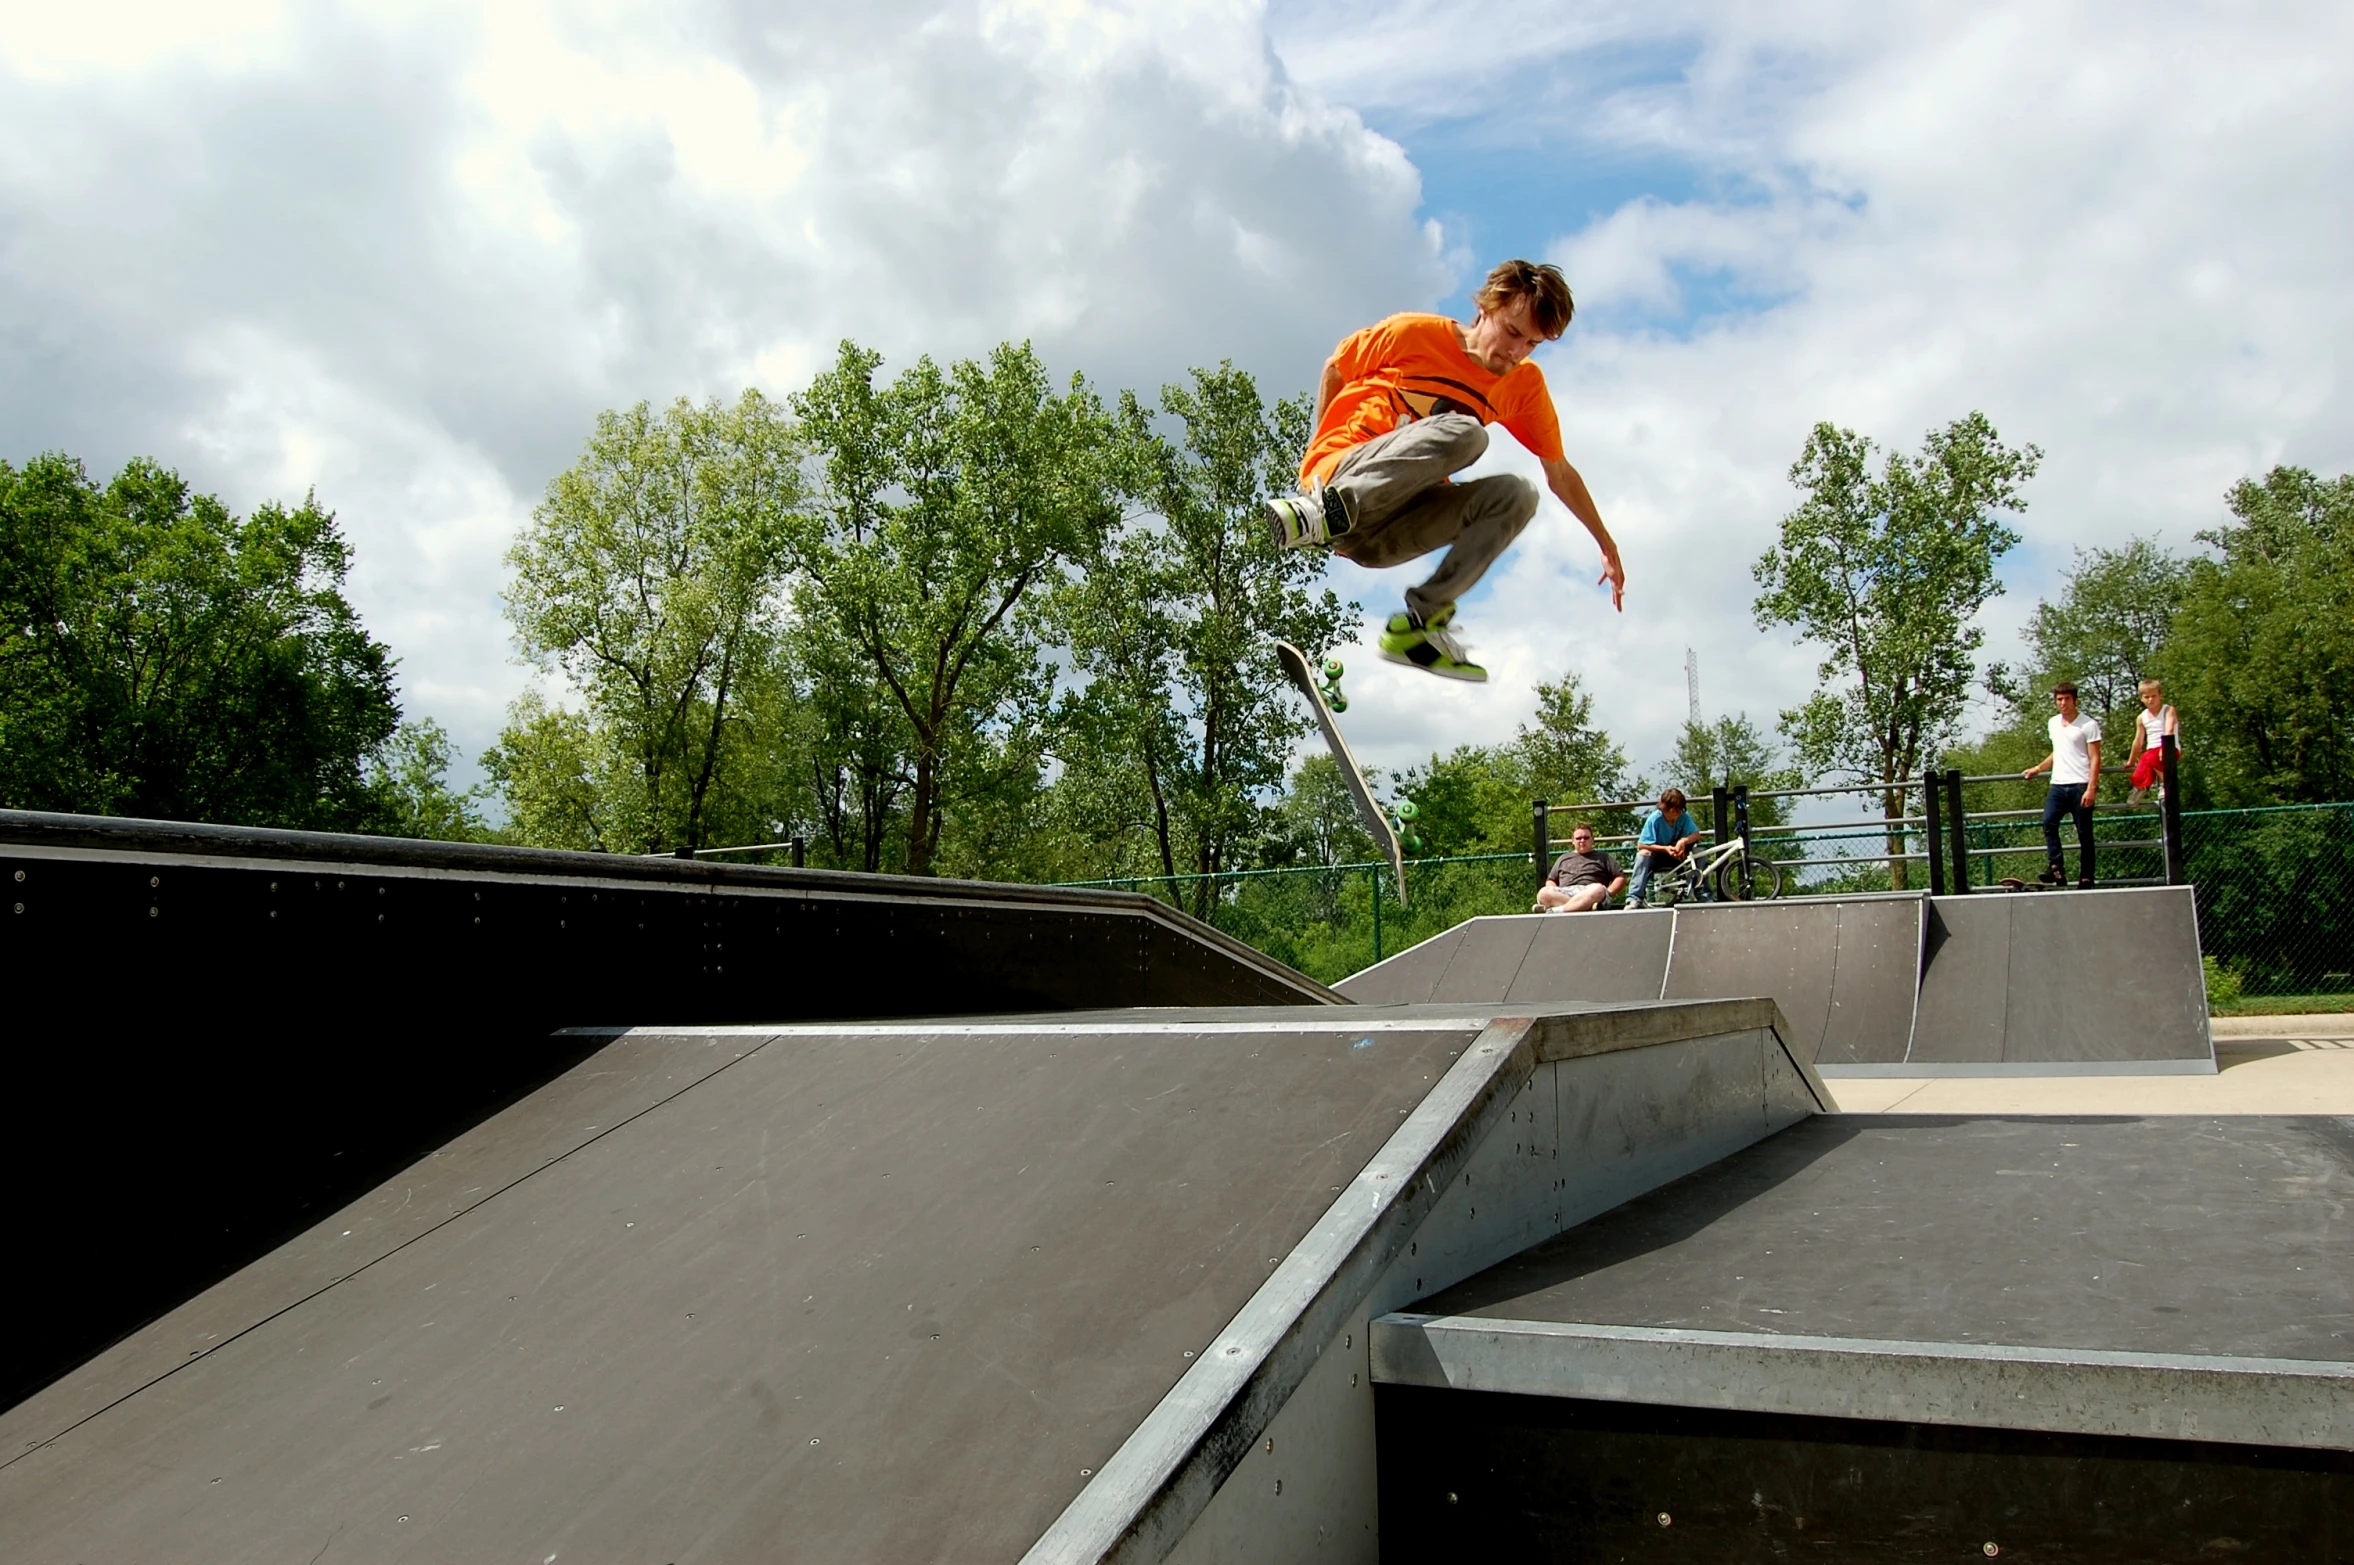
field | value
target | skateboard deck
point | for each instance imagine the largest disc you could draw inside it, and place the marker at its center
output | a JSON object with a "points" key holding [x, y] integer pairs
{"points": [[1302, 673], [2014, 883]]}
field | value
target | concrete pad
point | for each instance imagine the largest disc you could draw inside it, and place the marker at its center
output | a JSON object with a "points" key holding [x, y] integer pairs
{"points": [[2308, 1076]]}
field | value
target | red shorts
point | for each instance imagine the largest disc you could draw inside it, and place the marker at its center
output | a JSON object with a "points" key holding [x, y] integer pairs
{"points": [[2145, 770]]}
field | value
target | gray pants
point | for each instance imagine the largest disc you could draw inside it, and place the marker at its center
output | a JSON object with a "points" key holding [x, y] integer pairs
{"points": [[1396, 488]]}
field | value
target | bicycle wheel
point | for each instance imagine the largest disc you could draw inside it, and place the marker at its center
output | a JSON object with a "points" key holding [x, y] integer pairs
{"points": [[1763, 882]]}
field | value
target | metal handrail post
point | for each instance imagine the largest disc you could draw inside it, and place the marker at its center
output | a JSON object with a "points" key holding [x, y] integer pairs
{"points": [[1934, 838], [1542, 825], [1721, 814], [1741, 827], [1958, 823], [2170, 810]]}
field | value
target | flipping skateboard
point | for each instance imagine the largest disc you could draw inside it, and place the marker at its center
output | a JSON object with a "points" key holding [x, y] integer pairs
{"points": [[1325, 698]]}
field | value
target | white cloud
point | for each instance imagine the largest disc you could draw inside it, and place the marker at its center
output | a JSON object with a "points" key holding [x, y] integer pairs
{"points": [[405, 254], [2120, 230]]}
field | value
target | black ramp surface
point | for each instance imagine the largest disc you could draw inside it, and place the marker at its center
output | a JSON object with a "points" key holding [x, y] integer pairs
{"points": [[1789, 951], [1876, 983], [2165, 1235], [1965, 979], [1487, 959], [1409, 977], [2106, 975], [860, 1295], [1600, 958], [624, 1079]]}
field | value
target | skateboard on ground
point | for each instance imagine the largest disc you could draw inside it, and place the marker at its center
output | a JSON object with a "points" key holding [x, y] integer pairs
{"points": [[2014, 883], [1325, 698]]}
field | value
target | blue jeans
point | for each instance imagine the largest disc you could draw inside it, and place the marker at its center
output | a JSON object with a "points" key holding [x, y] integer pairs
{"points": [[1646, 866], [2068, 799]]}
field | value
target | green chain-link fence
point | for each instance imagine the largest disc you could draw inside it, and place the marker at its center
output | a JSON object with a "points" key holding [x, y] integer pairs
{"points": [[2275, 890]]}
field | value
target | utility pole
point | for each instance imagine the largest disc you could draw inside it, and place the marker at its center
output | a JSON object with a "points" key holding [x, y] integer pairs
{"points": [[1692, 685]]}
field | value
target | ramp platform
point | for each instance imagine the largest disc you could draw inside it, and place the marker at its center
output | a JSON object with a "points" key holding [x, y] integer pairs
{"points": [[988, 1288], [2088, 1308], [2073, 982]]}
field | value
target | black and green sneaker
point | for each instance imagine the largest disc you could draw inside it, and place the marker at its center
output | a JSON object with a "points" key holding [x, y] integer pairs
{"points": [[1429, 646], [1308, 521]]}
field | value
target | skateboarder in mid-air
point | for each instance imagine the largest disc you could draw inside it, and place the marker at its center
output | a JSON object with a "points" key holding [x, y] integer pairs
{"points": [[1401, 407]]}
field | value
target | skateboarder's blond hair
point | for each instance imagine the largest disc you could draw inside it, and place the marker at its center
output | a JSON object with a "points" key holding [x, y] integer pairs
{"points": [[1543, 286]]}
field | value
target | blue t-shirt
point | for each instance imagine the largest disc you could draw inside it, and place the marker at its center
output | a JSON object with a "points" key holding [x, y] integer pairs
{"points": [[1658, 832]]}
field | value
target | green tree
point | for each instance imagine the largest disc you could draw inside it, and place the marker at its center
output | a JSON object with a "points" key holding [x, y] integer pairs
{"points": [[1477, 800], [1886, 572], [2105, 631], [410, 777], [162, 657], [2259, 657], [555, 769], [1183, 711], [950, 497], [650, 578], [1726, 753]]}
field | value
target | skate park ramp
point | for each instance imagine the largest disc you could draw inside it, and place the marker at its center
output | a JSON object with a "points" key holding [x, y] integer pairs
{"points": [[284, 1019], [2063, 982], [1891, 984], [1075, 1287], [1906, 1338], [1602, 961], [1846, 971]]}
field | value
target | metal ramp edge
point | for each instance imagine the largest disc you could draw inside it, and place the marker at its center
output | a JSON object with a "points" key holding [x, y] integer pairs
{"points": [[1264, 1448]]}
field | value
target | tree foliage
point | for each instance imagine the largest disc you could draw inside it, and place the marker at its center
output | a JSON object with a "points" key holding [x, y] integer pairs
{"points": [[2259, 657], [1181, 728], [162, 657], [950, 497], [1886, 571], [650, 580]]}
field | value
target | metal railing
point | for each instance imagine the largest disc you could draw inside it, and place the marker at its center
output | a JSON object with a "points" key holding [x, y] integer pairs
{"points": [[1942, 829]]}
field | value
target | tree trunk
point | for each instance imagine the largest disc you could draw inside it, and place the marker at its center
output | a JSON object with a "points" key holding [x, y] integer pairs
{"points": [[1892, 811]]}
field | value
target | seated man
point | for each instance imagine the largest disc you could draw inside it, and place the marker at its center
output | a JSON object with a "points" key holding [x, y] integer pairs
{"points": [[1581, 878], [1666, 840]]}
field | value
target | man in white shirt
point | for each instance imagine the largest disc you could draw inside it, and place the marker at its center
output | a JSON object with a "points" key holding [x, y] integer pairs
{"points": [[2075, 765]]}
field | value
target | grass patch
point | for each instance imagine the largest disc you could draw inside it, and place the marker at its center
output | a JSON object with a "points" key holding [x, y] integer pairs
{"points": [[2287, 1005]]}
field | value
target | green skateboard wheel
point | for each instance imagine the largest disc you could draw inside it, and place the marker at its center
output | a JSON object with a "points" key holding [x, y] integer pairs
{"points": [[1332, 669], [1412, 844], [1407, 810], [1337, 701]]}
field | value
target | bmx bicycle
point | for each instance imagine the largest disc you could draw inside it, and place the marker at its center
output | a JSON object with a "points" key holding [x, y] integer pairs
{"points": [[1728, 872]]}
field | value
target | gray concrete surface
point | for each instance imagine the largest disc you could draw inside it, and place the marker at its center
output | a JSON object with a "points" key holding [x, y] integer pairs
{"points": [[2190, 1279]]}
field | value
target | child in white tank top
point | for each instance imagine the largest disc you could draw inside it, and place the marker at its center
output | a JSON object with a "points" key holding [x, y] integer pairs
{"points": [[2153, 722]]}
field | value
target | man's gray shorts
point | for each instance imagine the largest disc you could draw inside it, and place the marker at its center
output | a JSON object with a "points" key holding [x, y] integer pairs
{"points": [[1397, 488]]}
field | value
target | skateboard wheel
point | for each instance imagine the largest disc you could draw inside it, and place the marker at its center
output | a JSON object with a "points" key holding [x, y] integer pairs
{"points": [[1407, 810], [1332, 669], [1337, 701], [1412, 844]]}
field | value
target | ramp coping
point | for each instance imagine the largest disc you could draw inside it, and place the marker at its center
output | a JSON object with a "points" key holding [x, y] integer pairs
{"points": [[2243, 1401]]}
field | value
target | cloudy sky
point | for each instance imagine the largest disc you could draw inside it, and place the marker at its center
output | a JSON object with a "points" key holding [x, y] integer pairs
{"points": [[403, 253]]}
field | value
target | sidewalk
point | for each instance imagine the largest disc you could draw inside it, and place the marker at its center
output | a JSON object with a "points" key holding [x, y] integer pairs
{"points": [[2265, 1065]]}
